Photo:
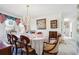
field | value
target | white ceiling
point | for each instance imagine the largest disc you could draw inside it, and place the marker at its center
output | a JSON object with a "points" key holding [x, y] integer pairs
{"points": [[36, 10]]}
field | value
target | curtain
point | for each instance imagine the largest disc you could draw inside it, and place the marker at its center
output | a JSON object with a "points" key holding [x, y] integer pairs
{"points": [[2, 17], [26, 22]]}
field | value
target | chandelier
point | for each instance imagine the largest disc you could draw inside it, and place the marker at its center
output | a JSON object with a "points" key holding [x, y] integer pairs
{"points": [[28, 17], [27, 9]]}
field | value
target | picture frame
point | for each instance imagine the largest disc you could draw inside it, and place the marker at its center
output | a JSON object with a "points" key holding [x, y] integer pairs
{"points": [[53, 24], [77, 18], [66, 24], [41, 23], [77, 28]]}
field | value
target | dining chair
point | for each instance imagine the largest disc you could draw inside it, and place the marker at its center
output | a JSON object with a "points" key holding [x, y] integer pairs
{"points": [[26, 48], [51, 48], [9, 38], [16, 43], [10, 41], [52, 35]]}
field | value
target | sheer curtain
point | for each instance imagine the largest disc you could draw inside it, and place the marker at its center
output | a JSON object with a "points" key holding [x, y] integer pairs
{"points": [[26, 22]]}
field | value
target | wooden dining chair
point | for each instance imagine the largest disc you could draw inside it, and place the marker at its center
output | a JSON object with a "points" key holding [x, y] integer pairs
{"points": [[52, 35], [10, 41], [51, 48], [26, 48], [9, 38], [16, 43]]}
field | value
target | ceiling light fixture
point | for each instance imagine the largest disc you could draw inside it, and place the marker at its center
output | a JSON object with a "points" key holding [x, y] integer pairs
{"points": [[28, 17]]}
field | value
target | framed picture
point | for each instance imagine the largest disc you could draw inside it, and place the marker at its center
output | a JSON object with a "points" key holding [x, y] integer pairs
{"points": [[41, 23], [77, 18], [53, 24], [67, 24], [77, 28]]}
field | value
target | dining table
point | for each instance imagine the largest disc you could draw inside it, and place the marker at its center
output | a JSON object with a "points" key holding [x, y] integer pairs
{"points": [[37, 44]]}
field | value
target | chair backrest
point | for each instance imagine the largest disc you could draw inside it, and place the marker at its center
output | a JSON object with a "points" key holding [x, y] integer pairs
{"points": [[14, 39], [24, 39], [24, 42], [52, 34], [9, 38], [39, 32], [55, 48]]}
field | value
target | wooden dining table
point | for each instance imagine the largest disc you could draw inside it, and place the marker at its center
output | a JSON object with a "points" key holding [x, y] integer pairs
{"points": [[5, 49]]}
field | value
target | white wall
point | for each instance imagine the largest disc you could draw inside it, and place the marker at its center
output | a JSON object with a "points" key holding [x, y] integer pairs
{"points": [[76, 35], [48, 18], [57, 13], [71, 14]]}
